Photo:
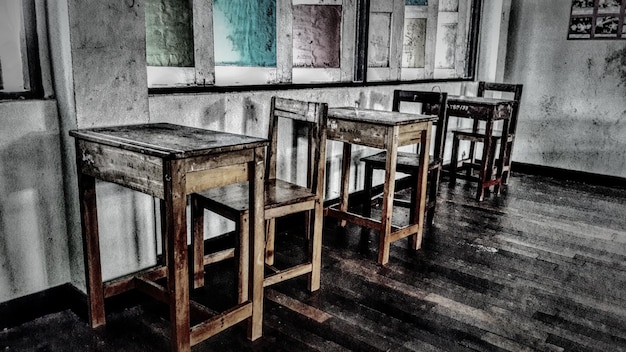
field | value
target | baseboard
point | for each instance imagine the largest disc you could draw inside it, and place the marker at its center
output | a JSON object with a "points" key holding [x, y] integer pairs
{"points": [[571, 175], [55, 299]]}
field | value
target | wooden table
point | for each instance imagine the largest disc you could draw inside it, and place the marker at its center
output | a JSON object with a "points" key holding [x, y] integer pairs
{"points": [[489, 110], [169, 162], [386, 130]]}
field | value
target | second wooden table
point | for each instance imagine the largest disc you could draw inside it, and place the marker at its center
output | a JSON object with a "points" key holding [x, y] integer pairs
{"points": [[386, 130]]}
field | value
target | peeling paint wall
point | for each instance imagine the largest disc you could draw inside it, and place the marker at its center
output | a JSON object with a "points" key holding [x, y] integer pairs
{"points": [[573, 112]]}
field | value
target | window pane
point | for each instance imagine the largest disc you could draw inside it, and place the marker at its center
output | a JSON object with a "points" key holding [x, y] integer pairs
{"points": [[417, 2], [245, 32], [379, 36], [13, 60], [445, 54], [449, 6], [414, 45], [169, 33], [316, 36]]}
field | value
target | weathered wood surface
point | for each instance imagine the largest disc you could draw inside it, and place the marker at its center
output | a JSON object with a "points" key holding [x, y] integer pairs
{"points": [[480, 108], [533, 270], [381, 117], [169, 162], [385, 130], [167, 140]]}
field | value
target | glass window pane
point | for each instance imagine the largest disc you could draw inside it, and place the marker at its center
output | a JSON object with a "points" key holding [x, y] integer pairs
{"points": [[169, 33], [445, 54], [417, 2], [449, 6], [379, 36], [316, 36], [245, 32], [414, 43], [13, 60]]}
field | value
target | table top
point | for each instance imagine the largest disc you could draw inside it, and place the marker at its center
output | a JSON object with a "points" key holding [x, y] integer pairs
{"points": [[380, 117], [168, 141]]}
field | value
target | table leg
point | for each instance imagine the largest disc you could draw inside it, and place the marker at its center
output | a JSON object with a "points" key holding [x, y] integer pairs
{"points": [[422, 181], [91, 249], [485, 167], [388, 194], [345, 180], [257, 243], [367, 189], [177, 261]]}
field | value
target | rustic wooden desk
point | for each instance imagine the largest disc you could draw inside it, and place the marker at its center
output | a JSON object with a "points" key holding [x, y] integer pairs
{"points": [[169, 162], [489, 110], [383, 130]]}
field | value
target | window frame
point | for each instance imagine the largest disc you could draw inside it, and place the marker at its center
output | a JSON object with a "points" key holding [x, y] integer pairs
{"points": [[32, 63], [284, 73]]}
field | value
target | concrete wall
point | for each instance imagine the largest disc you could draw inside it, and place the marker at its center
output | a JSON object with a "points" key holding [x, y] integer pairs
{"points": [[33, 240], [573, 113]]}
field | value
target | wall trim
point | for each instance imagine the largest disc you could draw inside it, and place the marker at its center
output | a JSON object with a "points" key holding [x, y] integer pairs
{"points": [[57, 299], [52, 300], [570, 175]]}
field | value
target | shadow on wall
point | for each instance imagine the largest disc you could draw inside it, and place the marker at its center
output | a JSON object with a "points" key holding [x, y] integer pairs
{"points": [[33, 236]]}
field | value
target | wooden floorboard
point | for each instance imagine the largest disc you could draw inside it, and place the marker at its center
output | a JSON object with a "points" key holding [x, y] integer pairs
{"points": [[540, 268]]}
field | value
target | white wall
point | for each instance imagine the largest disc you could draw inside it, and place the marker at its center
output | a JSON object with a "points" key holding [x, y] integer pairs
{"points": [[573, 112], [33, 240]]}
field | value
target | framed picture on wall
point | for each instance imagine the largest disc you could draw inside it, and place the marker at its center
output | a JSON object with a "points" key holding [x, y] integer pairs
{"points": [[597, 19]]}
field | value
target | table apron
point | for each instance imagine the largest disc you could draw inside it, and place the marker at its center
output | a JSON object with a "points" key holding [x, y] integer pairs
{"points": [[480, 112], [412, 133], [144, 173], [139, 172], [362, 133], [373, 135]]}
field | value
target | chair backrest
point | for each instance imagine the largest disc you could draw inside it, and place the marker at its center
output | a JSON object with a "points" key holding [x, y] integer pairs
{"points": [[311, 115], [515, 89], [433, 103]]}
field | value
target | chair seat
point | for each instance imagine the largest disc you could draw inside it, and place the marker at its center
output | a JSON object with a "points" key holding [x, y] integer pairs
{"points": [[277, 193], [406, 160]]}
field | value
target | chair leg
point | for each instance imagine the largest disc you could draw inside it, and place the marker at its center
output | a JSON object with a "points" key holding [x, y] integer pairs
{"points": [[498, 168], [414, 197], [242, 252], [270, 231], [432, 194], [454, 159], [315, 246], [197, 242], [367, 189]]}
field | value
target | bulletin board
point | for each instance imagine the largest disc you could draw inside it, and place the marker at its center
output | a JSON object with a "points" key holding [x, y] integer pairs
{"points": [[597, 19]]}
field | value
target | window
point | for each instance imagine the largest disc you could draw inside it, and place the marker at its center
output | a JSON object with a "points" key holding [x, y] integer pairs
{"points": [[19, 59], [418, 39], [243, 42]]}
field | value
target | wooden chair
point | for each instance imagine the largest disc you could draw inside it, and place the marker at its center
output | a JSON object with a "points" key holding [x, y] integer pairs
{"points": [[432, 103], [500, 166], [281, 198]]}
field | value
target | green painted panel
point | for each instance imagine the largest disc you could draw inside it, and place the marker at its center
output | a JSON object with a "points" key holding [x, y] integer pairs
{"points": [[417, 2], [169, 33], [245, 32]]}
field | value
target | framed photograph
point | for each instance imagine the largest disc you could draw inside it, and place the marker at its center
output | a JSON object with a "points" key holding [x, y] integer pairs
{"points": [[597, 19]]}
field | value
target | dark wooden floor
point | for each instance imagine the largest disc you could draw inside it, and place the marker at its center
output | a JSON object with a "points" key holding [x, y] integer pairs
{"points": [[541, 268]]}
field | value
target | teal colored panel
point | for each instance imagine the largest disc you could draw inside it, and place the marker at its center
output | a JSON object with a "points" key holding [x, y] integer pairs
{"points": [[169, 33], [417, 2], [245, 32]]}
